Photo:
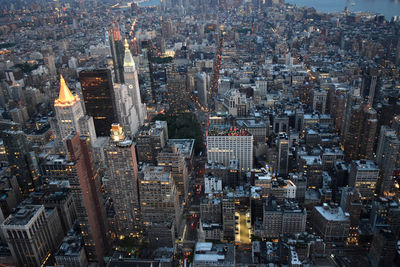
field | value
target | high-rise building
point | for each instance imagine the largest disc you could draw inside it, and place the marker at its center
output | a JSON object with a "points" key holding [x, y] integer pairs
{"points": [[99, 99], [122, 182], [358, 138], [201, 86], [387, 157], [331, 223], [172, 159], [132, 81], [159, 201], [351, 203], [117, 52], [125, 110], [93, 222], [223, 146], [70, 115], [178, 95], [368, 85], [21, 159], [31, 234], [364, 177], [48, 56], [150, 140], [383, 247], [319, 100], [283, 154], [283, 219], [228, 216]]}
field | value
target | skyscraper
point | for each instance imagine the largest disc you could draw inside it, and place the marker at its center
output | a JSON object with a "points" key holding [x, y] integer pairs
{"points": [[122, 182], [151, 139], [201, 86], [20, 158], [99, 99], [117, 52], [70, 115], [172, 160], [126, 112], [387, 157], [159, 201], [94, 227], [132, 81], [360, 122], [283, 154]]}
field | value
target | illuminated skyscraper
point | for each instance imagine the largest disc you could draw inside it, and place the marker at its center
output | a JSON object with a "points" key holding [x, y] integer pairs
{"points": [[132, 81], [172, 159], [98, 96], [70, 115], [122, 182]]}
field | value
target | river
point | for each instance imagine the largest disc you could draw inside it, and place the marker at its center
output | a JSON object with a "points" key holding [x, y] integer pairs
{"points": [[389, 8]]}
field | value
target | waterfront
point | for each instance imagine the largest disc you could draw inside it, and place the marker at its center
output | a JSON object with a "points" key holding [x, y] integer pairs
{"points": [[389, 8]]}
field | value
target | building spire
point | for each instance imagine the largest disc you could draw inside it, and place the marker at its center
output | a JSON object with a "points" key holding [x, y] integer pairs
{"points": [[128, 59], [65, 97]]}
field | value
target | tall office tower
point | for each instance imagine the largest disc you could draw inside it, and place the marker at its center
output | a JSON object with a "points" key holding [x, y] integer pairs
{"points": [[48, 57], [99, 99], [223, 146], [117, 52], [125, 110], [20, 158], [159, 201], [201, 86], [387, 157], [319, 98], [364, 177], [93, 218], [70, 115], [31, 233], [172, 159], [122, 182], [359, 134], [351, 203], [132, 81], [228, 216], [178, 95], [368, 85], [150, 140], [283, 154]]}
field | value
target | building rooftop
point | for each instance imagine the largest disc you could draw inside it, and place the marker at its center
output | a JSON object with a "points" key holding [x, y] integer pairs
{"points": [[332, 214], [184, 145], [23, 215], [366, 165], [230, 132]]}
